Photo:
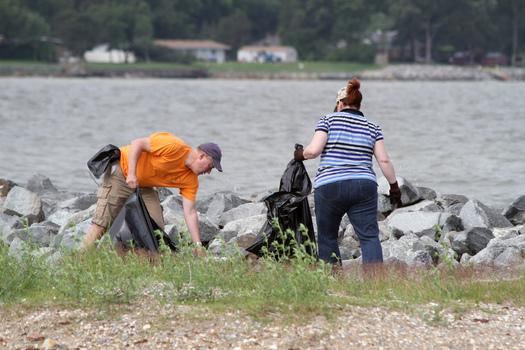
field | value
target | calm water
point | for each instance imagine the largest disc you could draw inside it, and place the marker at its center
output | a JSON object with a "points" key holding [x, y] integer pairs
{"points": [[462, 137]]}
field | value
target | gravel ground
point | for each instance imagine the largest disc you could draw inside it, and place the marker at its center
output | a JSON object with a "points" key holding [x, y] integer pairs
{"points": [[189, 327]]}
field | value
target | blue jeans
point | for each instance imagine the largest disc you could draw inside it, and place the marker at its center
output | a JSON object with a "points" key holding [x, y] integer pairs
{"points": [[358, 199]]}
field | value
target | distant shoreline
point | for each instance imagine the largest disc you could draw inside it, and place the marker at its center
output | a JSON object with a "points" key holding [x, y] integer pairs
{"points": [[401, 72]]}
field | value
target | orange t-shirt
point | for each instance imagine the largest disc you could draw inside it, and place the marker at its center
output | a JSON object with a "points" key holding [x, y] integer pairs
{"points": [[164, 165]]}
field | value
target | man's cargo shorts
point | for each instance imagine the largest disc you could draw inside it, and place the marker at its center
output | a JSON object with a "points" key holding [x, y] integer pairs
{"points": [[113, 194]]}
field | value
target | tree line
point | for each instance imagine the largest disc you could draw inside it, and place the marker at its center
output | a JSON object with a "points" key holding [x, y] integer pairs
{"points": [[333, 30]]}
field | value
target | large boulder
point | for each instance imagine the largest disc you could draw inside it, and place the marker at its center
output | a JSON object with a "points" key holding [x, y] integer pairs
{"points": [[505, 251], [515, 212], [24, 202], [40, 185], [242, 211], [39, 235], [420, 223], [472, 241], [216, 204], [476, 214]]}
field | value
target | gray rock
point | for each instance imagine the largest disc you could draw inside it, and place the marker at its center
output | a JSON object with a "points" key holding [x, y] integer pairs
{"points": [[419, 222], [60, 217], [434, 249], [164, 193], [80, 217], [427, 193], [208, 229], [399, 249], [455, 209], [515, 212], [476, 214], [79, 203], [244, 240], [448, 200], [172, 211], [498, 246], [419, 258], [227, 236], [24, 202], [26, 220], [424, 205], [465, 259], [18, 247], [349, 243], [472, 241], [510, 257], [40, 185], [39, 234], [71, 237], [450, 222], [249, 224], [218, 203], [346, 254], [242, 211]]}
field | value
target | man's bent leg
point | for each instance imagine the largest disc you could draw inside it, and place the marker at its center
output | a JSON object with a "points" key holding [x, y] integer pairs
{"points": [[94, 233], [152, 201]]}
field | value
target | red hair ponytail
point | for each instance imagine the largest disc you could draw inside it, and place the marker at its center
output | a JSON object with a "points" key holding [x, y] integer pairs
{"points": [[353, 95]]}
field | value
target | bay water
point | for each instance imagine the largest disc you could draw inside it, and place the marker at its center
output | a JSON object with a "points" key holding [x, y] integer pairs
{"points": [[454, 137]]}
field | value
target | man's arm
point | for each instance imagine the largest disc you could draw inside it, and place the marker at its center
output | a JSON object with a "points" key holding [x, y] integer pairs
{"points": [[191, 218], [135, 151], [192, 222]]}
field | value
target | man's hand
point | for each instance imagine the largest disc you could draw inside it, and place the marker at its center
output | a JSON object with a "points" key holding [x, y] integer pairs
{"points": [[200, 251], [132, 181]]}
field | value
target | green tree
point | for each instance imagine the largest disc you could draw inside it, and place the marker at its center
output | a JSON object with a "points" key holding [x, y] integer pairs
{"points": [[513, 12], [307, 25], [234, 30], [478, 33], [422, 20], [20, 25]]}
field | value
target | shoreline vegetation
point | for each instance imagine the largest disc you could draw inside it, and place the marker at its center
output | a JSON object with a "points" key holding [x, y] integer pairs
{"points": [[298, 71]]}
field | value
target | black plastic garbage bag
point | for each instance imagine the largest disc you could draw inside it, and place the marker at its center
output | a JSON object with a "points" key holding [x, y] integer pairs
{"points": [[290, 207], [100, 161], [134, 224]]}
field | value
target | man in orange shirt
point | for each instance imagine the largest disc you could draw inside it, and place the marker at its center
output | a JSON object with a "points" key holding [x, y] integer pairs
{"points": [[161, 160]]}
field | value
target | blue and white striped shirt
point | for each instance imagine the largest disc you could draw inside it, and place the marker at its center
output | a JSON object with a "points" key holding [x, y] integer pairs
{"points": [[349, 149]]}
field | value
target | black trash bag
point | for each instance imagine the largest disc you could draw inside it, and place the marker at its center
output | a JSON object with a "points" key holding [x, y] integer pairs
{"points": [[134, 224], [290, 206], [100, 161]]}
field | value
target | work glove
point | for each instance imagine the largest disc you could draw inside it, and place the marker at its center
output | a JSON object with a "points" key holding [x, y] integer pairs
{"points": [[298, 155], [395, 195]]}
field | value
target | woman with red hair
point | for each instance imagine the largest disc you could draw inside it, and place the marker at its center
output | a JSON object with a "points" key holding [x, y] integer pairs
{"points": [[345, 181]]}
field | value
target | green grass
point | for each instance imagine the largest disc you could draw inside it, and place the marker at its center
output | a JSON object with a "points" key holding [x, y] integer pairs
{"points": [[307, 67], [298, 287], [226, 67]]}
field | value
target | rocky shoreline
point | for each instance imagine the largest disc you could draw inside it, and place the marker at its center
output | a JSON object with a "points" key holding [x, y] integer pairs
{"points": [[394, 72], [428, 229]]}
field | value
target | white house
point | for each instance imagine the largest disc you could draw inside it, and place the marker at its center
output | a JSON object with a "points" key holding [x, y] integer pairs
{"points": [[267, 54], [206, 50], [102, 54]]}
